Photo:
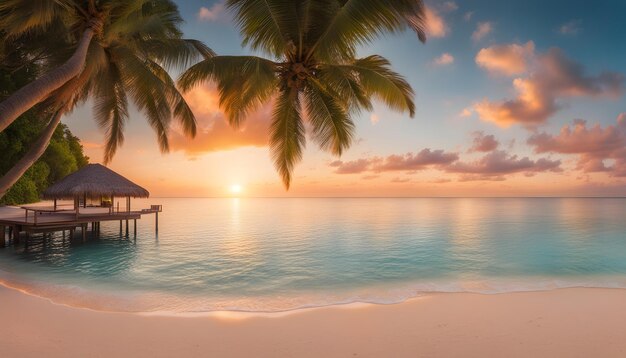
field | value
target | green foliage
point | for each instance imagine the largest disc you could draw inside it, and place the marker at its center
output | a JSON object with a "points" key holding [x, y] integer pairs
{"points": [[64, 154]]}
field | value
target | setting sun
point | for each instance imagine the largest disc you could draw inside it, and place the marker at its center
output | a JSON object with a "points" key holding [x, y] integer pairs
{"points": [[235, 189]]}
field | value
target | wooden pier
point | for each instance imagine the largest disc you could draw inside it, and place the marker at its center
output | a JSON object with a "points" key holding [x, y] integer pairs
{"points": [[93, 183], [17, 222]]}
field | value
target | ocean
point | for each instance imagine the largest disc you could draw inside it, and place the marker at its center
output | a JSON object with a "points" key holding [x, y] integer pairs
{"points": [[268, 255]]}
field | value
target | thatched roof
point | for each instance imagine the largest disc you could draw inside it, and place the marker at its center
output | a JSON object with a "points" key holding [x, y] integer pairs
{"points": [[94, 180]]}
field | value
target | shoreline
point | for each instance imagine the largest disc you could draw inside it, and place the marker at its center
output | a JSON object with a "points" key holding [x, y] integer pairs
{"points": [[95, 301], [562, 322]]}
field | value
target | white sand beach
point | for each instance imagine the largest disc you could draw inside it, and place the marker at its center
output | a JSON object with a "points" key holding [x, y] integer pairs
{"points": [[579, 322]]}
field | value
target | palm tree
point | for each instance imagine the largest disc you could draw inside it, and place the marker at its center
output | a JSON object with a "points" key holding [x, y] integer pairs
{"points": [[314, 73], [136, 41]]}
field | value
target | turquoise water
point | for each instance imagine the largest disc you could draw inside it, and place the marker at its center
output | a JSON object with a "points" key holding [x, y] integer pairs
{"points": [[281, 254]]}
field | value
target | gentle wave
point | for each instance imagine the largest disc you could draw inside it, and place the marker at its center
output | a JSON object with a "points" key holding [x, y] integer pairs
{"points": [[171, 304]]}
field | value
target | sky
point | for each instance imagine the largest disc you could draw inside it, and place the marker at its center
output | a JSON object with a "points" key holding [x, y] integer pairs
{"points": [[514, 98]]}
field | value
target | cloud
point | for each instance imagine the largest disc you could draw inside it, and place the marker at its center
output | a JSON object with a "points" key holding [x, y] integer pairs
{"points": [[400, 180], [509, 60], [419, 161], [466, 112], [435, 24], [449, 6], [548, 78], [444, 60], [595, 146], [424, 159], [495, 165], [352, 167], [468, 16], [498, 163], [214, 131], [482, 29], [484, 143], [572, 27], [211, 14]]}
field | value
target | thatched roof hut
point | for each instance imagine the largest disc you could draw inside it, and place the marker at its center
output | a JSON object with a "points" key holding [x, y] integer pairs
{"points": [[94, 180]]}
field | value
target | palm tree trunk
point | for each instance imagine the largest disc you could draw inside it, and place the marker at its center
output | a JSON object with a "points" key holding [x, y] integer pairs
{"points": [[37, 149], [31, 94]]}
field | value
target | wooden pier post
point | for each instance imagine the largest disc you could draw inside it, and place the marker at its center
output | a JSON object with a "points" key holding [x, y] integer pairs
{"points": [[16, 234], [3, 234], [156, 222], [135, 227], [120, 227], [126, 227]]}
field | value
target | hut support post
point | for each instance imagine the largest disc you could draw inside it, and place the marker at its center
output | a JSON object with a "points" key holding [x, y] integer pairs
{"points": [[127, 212], [135, 227], [120, 227], [83, 231], [156, 222], [16, 235], [55, 204], [3, 236]]}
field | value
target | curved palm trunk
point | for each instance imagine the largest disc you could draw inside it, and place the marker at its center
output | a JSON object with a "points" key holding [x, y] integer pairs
{"points": [[37, 149], [31, 94]]}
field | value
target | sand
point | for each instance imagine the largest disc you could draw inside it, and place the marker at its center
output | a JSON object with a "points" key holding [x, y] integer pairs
{"points": [[579, 322]]}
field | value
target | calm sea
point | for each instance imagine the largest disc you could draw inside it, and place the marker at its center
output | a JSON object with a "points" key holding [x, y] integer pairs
{"points": [[282, 254]]}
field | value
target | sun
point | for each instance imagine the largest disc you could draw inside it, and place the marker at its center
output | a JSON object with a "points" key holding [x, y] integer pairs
{"points": [[235, 189]]}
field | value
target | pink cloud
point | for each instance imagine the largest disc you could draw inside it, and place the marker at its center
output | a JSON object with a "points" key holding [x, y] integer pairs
{"points": [[444, 60], [399, 180], [495, 165], [482, 29], [211, 14], [484, 143], [351, 167], [424, 159], [419, 161], [509, 60], [499, 163], [551, 78], [594, 145], [435, 24]]}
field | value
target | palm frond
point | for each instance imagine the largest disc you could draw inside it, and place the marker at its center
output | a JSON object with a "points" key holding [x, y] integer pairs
{"points": [[378, 80], [346, 83], [111, 108], [175, 53], [18, 17], [244, 82], [358, 22], [181, 109], [147, 91], [270, 26], [287, 134], [333, 128]]}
